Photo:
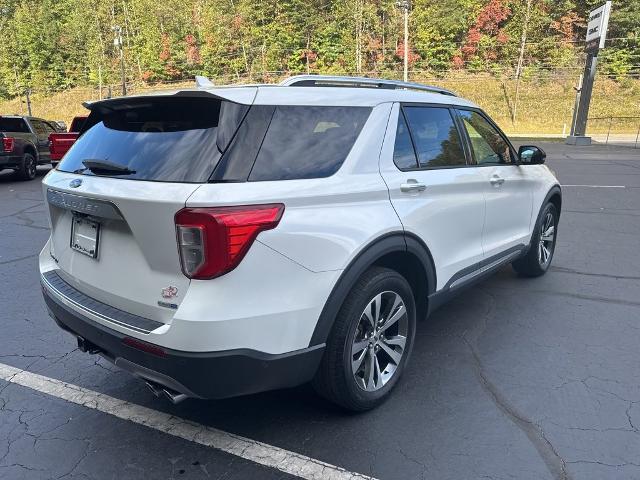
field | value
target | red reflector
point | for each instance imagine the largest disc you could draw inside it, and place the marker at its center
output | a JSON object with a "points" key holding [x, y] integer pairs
{"points": [[213, 241], [144, 346], [7, 144]]}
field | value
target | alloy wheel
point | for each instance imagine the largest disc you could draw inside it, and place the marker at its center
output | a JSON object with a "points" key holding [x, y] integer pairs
{"points": [[30, 167], [379, 341], [547, 239]]}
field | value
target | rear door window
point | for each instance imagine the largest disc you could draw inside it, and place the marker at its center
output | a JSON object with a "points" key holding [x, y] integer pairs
{"points": [[167, 139], [404, 156], [307, 142], [435, 137], [16, 125]]}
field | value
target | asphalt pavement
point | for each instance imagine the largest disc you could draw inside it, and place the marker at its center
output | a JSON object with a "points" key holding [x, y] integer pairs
{"points": [[515, 379]]}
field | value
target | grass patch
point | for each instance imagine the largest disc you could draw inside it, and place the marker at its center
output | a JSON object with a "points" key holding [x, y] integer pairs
{"points": [[545, 106]]}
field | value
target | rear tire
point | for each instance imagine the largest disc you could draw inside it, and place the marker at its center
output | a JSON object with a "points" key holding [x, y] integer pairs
{"points": [[543, 243], [370, 342], [27, 169]]}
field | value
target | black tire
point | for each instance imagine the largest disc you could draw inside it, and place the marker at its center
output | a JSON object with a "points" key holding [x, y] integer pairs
{"points": [[27, 169], [335, 379], [533, 263]]}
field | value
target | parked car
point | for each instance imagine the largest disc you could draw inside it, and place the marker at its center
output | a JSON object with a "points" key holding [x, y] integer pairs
{"points": [[25, 144], [60, 143], [226, 241]]}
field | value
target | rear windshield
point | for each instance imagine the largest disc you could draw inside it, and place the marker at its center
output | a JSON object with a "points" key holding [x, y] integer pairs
{"points": [[167, 139], [16, 125], [76, 124]]}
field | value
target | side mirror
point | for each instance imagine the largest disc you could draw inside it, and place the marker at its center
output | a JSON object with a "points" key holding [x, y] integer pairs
{"points": [[530, 155]]}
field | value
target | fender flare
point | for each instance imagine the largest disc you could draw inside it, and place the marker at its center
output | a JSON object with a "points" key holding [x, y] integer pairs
{"points": [[374, 251], [552, 191]]}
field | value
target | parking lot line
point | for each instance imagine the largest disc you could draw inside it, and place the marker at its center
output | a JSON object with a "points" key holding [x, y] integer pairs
{"points": [[595, 186], [261, 453]]}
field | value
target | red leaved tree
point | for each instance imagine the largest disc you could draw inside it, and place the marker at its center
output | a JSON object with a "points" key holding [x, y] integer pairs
{"points": [[487, 24]]}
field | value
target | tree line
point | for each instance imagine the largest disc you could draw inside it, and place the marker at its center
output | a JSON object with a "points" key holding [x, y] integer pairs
{"points": [[50, 45]]}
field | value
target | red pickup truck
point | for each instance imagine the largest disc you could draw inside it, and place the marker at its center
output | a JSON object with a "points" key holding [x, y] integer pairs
{"points": [[59, 143]]}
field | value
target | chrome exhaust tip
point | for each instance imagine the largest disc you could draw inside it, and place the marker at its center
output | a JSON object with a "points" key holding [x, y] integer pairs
{"points": [[161, 391], [154, 387], [173, 396]]}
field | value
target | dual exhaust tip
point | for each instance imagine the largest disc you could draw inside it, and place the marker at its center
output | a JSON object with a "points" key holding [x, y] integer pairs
{"points": [[160, 391]]}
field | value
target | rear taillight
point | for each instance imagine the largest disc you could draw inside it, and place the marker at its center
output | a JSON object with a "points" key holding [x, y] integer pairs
{"points": [[213, 241], [7, 144]]}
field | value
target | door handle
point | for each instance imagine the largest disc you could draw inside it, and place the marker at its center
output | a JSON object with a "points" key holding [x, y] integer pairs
{"points": [[412, 186], [496, 180]]}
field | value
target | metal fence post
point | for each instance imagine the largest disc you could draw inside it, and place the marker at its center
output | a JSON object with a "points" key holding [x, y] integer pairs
{"points": [[609, 131], [637, 135]]}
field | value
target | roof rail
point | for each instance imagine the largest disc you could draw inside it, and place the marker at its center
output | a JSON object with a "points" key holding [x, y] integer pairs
{"points": [[359, 82]]}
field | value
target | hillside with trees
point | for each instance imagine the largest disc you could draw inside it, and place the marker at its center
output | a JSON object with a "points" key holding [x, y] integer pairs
{"points": [[50, 46]]}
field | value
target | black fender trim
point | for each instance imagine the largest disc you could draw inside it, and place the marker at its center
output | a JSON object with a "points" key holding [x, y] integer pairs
{"points": [[389, 243], [552, 191], [555, 190]]}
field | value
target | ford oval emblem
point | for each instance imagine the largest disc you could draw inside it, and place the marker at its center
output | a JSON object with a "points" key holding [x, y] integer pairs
{"points": [[75, 183]]}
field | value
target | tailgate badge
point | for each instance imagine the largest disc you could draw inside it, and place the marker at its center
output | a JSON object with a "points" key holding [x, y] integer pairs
{"points": [[75, 183], [169, 292]]}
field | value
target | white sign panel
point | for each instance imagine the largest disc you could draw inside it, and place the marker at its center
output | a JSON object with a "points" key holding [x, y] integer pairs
{"points": [[598, 23]]}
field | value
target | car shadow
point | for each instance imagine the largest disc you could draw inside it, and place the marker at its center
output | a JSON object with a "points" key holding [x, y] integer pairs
{"points": [[8, 176]]}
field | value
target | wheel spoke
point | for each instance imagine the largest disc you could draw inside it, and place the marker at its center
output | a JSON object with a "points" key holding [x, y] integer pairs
{"points": [[377, 304], [395, 356], [545, 253], [548, 234], [357, 363], [540, 254], [359, 345], [396, 341], [377, 370], [370, 371], [402, 311]]}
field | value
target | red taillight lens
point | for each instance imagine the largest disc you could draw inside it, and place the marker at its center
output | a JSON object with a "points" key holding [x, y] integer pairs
{"points": [[213, 241], [7, 144]]}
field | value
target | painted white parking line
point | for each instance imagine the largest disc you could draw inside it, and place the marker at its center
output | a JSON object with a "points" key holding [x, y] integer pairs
{"points": [[596, 186], [257, 452]]}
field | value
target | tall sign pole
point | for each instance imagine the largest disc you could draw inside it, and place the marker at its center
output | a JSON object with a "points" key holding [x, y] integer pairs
{"points": [[596, 36]]}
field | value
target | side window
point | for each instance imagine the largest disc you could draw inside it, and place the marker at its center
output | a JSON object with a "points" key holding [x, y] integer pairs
{"points": [[404, 156], [41, 128], [307, 142], [435, 136], [489, 147]]}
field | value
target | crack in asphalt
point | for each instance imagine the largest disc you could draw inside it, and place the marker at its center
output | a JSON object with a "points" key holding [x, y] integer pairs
{"points": [[19, 259], [534, 432], [592, 274]]}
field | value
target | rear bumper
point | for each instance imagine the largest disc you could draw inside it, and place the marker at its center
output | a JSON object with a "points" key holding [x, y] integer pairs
{"points": [[201, 375], [10, 161]]}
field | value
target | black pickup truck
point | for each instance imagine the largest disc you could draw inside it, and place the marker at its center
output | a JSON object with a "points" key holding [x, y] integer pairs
{"points": [[24, 144]]}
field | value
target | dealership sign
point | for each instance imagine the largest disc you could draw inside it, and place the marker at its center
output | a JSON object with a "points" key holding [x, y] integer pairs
{"points": [[597, 27]]}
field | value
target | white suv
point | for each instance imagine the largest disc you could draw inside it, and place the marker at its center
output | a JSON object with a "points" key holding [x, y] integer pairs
{"points": [[225, 241]]}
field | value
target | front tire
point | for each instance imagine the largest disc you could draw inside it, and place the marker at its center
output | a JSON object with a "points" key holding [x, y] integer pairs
{"points": [[27, 170], [543, 244], [370, 342]]}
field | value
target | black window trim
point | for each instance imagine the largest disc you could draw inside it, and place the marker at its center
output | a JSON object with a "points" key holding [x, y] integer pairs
{"points": [[454, 118], [467, 140]]}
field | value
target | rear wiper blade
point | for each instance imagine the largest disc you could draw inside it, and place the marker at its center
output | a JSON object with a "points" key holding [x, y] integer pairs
{"points": [[105, 167]]}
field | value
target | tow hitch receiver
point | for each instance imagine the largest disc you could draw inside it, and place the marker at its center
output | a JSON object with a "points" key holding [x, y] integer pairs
{"points": [[86, 346]]}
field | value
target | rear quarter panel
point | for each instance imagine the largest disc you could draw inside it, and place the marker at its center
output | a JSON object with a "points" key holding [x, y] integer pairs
{"points": [[327, 221]]}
